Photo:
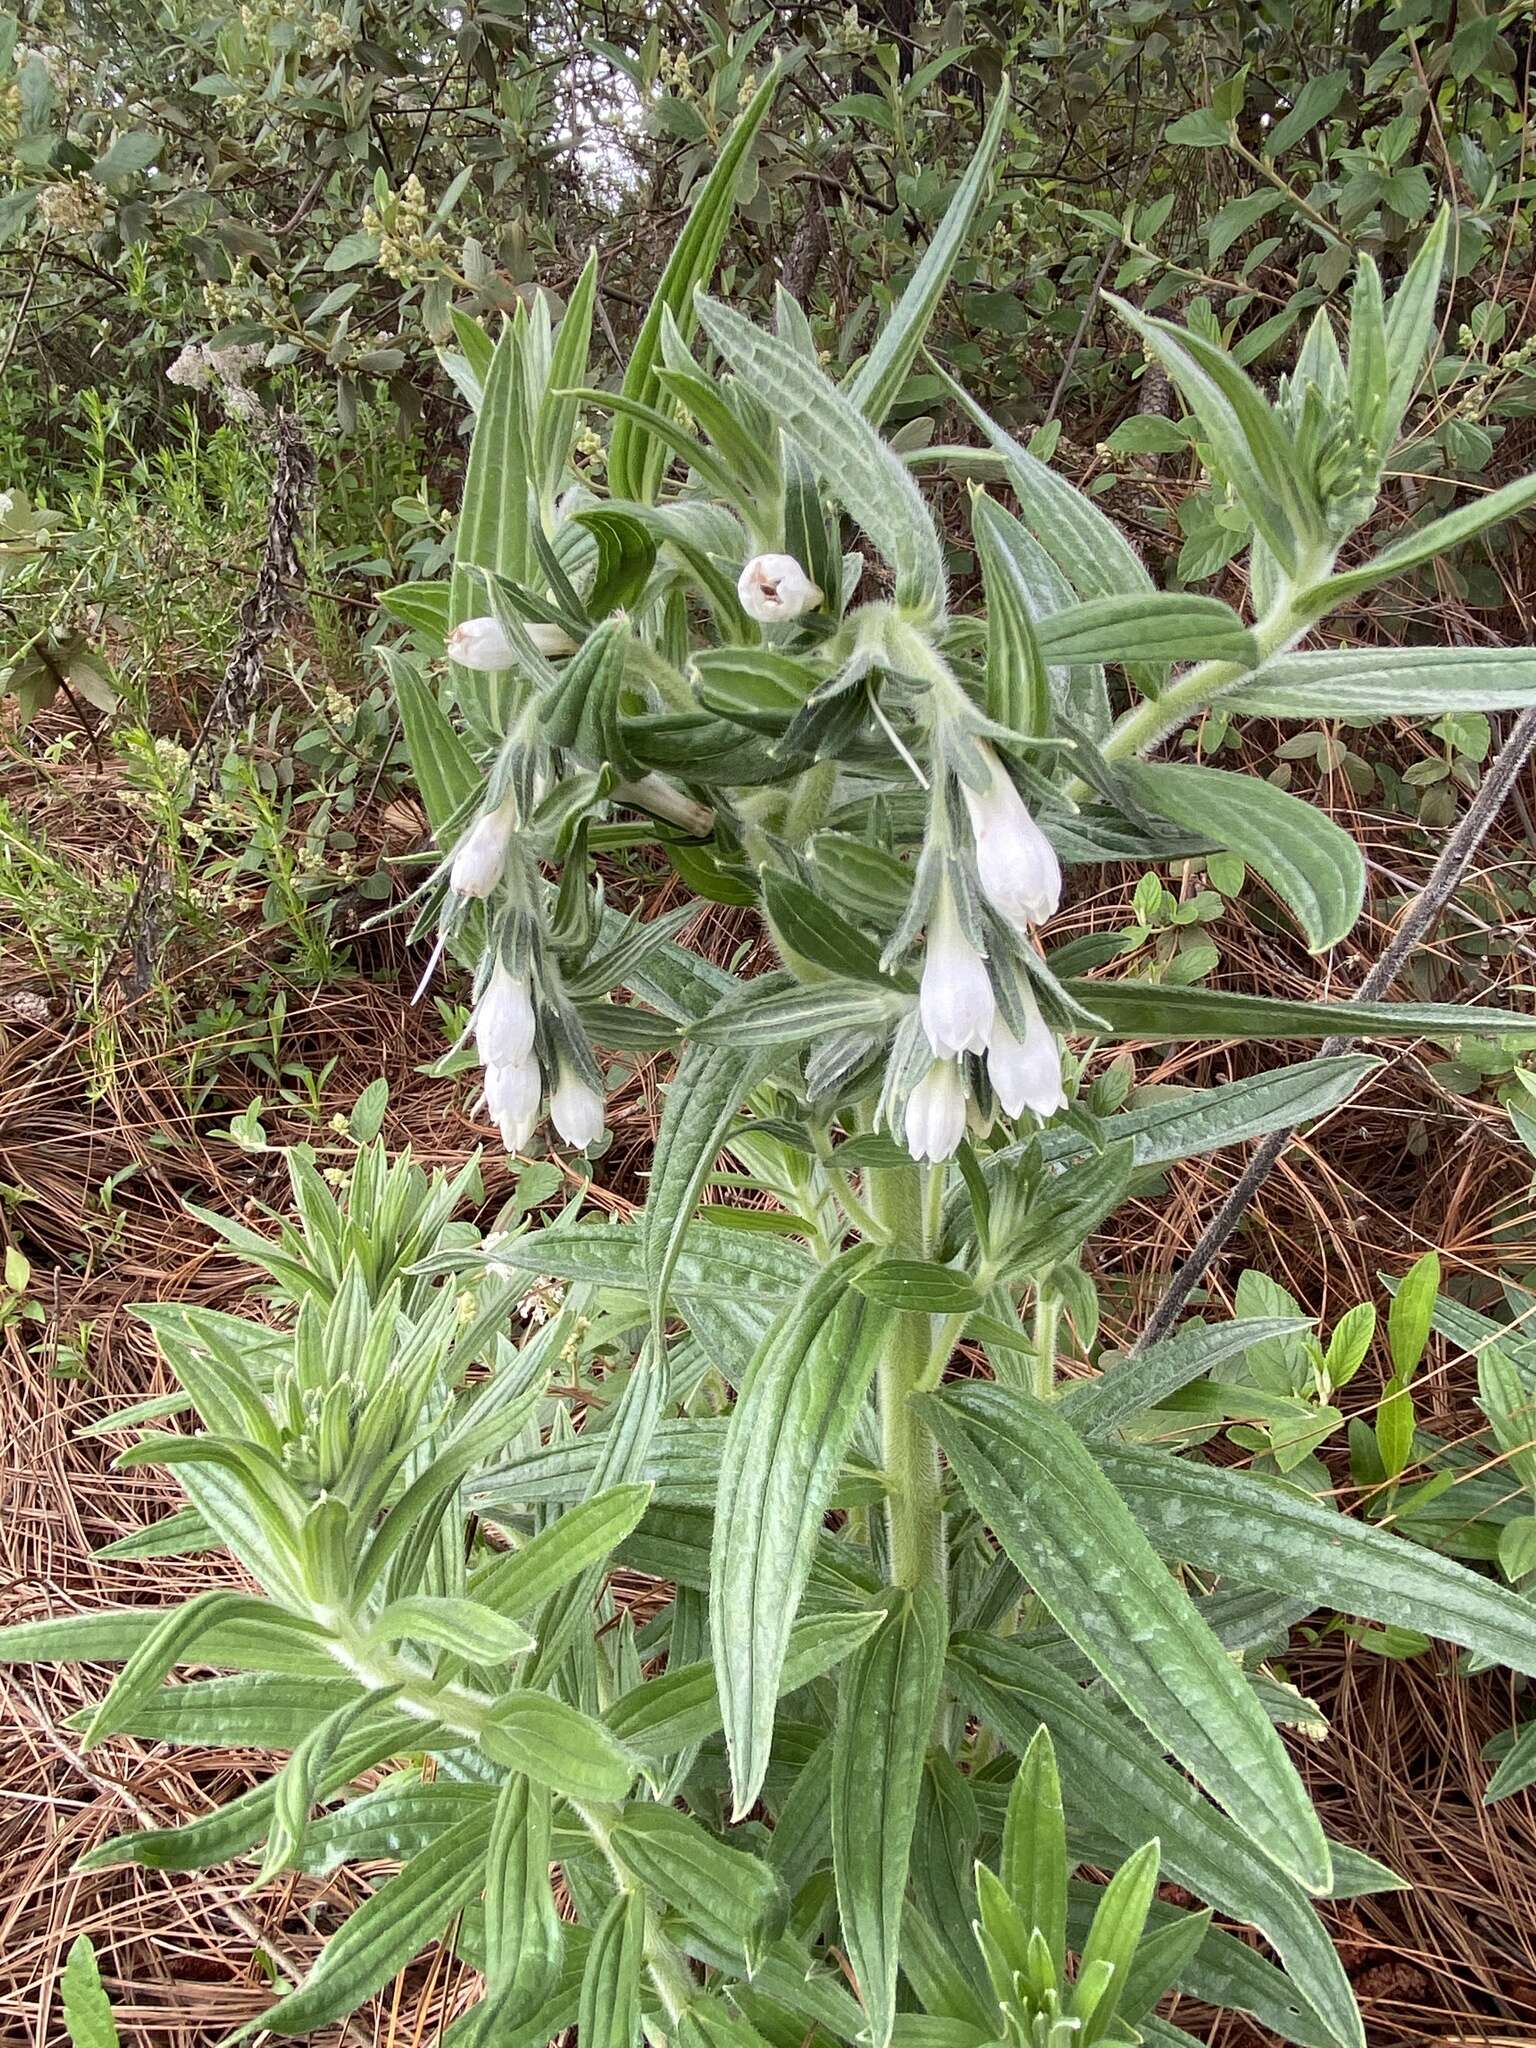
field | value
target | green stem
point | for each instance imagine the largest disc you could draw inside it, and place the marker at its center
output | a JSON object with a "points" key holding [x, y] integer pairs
{"points": [[1047, 1327], [914, 1499], [1140, 728]]}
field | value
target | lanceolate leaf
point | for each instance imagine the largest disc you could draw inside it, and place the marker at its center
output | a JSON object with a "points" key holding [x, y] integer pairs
{"points": [[1140, 1009], [852, 460], [701, 1106], [1245, 433], [1428, 541], [1029, 1474], [1315, 869], [1157, 627], [1263, 1533], [876, 384], [885, 1707], [635, 461], [610, 1986], [731, 1898], [788, 1432], [388, 1929], [524, 1936], [1113, 1780], [1360, 683], [1129, 1386]]}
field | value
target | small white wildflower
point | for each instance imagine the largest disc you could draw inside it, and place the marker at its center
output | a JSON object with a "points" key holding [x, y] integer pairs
{"points": [[935, 1116], [1016, 864], [481, 855], [955, 1000], [513, 1095], [1026, 1074], [577, 1111], [504, 1021], [773, 588]]}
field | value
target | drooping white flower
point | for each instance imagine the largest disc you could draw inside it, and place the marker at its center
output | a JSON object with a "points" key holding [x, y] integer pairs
{"points": [[577, 1111], [773, 588], [1017, 866], [504, 1020], [1026, 1074], [513, 1094], [481, 855], [955, 999], [481, 644], [935, 1116]]}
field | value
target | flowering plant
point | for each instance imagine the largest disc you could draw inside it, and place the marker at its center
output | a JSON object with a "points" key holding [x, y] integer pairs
{"points": [[920, 1655]]}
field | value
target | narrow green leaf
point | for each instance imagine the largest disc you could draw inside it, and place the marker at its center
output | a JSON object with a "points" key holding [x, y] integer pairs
{"points": [[1248, 439], [87, 2009], [1159, 626], [466, 1627], [918, 1285], [1264, 1533], [518, 1584], [1410, 321], [558, 1746], [171, 1641], [853, 462], [1139, 1009], [876, 384], [635, 462], [1130, 1385], [1361, 683], [609, 2015], [390, 1927], [885, 1709], [1424, 543], [730, 1897], [1033, 1867], [443, 766], [788, 1431], [1026, 1470]]}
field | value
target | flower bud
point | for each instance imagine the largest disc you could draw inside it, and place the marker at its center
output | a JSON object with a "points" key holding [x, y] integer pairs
{"points": [[935, 1116], [773, 588], [1016, 864], [577, 1111], [513, 1095], [1026, 1075], [504, 1020], [955, 1000], [481, 855]]}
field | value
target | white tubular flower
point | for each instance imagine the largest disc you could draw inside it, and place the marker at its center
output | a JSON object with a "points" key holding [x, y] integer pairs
{"points": [[481, 855], [513, 1095], [955, 1000], [577, 1111], [1017, 865], [480, 644], [504, 1020], [773, 588], [551, 641], [935, 1117], [1027, 1075]]}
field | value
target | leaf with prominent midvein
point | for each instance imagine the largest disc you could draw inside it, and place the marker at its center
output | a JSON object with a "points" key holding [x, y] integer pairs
{"points": [[1251, 447], [1426, 542], [849, 456], [254, 1710], [444, 768], [1313, 867], [610, 1986], [1359, 683], [661, 1716], [1113, 1781], [391, 1926], [493, 520], [874, 386], [518, 1582], [1144, 1009], [1029, 1474], [701, 1104], [238, 1642], [886, 1702], [524, 1936], [1264, 1533], [635, 462], [1157, 626], [783, 1451], [1129, 1386]]}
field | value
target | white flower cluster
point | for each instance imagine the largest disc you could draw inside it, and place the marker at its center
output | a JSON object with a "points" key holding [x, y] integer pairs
{"points": [[1020, 878], [222, 371], [505, 1028]]}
